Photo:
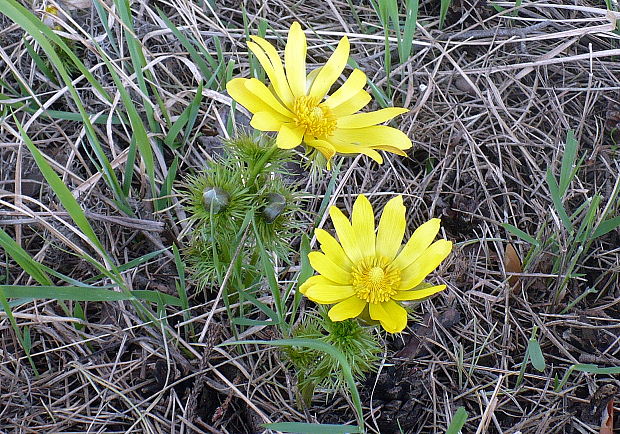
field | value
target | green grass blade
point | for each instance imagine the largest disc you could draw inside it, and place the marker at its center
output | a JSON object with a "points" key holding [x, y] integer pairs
{"points": [[312, 428], [536, 355], [606, 227], [326, 348], [304, 274], [208, 68], [586, 228], [166, 188], [186, 120], [139, 134], [24, 339], [270, 272], [443, 11], [62, 191], [103, 18], [567, 170], [405, 43], [40, 63], [80, 293], [556, 198], [458, 421], [273, 315], [23, 259], [44, 36], [519, 233], [181, 285], [585, 367], [138, 60]]}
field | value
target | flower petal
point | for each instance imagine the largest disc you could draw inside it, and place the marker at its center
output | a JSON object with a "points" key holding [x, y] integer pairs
{"points": [[346, 148], [368, 119], [295, 60], [346, 235], [351, 87], [393, 317], [363, 224], [391, 149], [391, 228], [326, 267], [324, 147], [311, 77], [268, 121], [375, 135], [237, 90], [314, 280], [329, 294], [332, 70], [414, 274], [271, 63], [418, 294], [261, 91], [353, 104], [332, 249], [349, 308], [417, 244], [289, 136]]}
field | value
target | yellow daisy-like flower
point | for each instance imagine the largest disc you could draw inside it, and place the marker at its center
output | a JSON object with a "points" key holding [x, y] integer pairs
{"points": [[296, 105], [365, 269]]}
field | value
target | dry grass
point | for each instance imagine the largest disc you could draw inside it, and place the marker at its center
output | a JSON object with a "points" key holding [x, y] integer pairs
{"points": [[489, 115]]}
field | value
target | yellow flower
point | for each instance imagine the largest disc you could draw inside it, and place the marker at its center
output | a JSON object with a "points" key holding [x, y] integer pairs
{"points": [[296, 105], [365, 269], [50, 17]]}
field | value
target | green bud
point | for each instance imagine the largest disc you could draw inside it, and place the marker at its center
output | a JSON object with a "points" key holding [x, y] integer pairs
{"points": [[215, 198], [274, 207]]}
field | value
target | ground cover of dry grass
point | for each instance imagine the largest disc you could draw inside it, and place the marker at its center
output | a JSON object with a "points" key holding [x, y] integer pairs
{"points": [[492, 100]]}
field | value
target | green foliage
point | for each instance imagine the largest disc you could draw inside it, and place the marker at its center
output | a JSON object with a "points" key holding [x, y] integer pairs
{"points": [[533, 354], [312, 428], [50, 44], [331, 350], [558, 385], [242, 189], [443, 11], [570, 242], [458, 421], [357, 343]]}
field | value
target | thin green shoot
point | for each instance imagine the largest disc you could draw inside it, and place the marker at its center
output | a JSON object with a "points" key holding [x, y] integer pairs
{"points": [[24, 341], [312, 428], [583, 367], [181, 285], [326, 348], [23, 259], [305, 272], [47, 39], [533, 353], [81, 293], [443, 12], [519, 233], [458, 421], [140, 137]]}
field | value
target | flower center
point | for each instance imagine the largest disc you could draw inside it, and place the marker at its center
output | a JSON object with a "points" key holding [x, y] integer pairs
{"points": [[317, 119], [375, 280]]}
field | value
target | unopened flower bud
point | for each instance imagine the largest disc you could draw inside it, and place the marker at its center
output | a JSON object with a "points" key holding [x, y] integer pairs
{"points": [[275, 204], [215, 199]]}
